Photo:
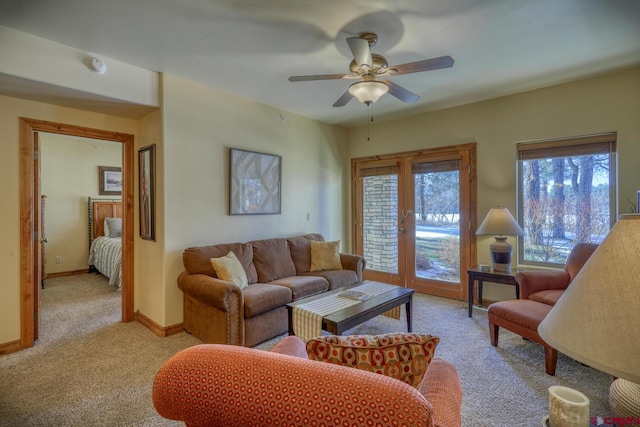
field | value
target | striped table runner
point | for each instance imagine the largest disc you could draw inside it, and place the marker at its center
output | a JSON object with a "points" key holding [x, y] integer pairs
{"points": [[307, 318]]}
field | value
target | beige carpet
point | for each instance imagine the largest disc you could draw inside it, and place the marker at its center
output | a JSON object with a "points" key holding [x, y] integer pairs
{"points": [[89, 369]]}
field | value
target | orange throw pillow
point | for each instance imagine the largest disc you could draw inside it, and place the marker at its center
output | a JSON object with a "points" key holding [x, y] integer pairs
{"points": [[404, 356]]}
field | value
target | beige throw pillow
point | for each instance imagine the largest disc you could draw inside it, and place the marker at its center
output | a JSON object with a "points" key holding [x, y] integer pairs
{"points": [[229, 269], [325, 256]]}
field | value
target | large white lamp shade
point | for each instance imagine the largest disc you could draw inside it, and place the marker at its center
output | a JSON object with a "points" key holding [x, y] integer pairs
{"points": [[597, 321]]}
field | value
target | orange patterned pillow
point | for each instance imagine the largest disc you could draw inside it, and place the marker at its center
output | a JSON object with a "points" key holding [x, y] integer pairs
{"points": [[403, 356]]}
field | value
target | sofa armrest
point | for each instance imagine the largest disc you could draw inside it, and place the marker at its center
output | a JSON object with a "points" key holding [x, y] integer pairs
{"points": [[353, 262], [292, 346], [532, 281], [210, 290], [441, 387]]}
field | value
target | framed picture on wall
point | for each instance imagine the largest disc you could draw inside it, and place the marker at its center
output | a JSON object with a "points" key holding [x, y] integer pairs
{"points": [[147, 195], [254, 183], [110, 181]]}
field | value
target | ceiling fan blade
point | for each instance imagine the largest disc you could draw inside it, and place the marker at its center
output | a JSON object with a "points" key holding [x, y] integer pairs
{"points": [[342, 101], [425, 65], [361, 51], [401, 93], [318, 77]]}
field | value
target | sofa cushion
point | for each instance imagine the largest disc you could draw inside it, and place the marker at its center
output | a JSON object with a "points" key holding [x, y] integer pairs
{"points": [[272, 259], [228, 268], [549, 297], [403, 356], [336, 278], [325, 256], [197, 260], [300, 248], [303, 286], [262, 297]]}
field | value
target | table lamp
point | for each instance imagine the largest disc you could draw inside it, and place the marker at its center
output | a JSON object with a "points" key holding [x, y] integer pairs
{"points": [[500, 223], [597, 322]]}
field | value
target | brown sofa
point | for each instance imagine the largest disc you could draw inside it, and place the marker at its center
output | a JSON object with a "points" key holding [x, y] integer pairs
{"points": [[219, 312], [219, 385]]}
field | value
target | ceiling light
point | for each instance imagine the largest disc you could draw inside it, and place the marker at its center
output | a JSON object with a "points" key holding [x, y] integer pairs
{"points": [[368, 91]]}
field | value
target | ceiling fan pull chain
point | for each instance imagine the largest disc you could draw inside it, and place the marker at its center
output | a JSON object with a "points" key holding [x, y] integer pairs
{"points": [[369, 120]]}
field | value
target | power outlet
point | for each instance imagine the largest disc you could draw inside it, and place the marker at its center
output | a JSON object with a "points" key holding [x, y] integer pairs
{"points": [[58, 260]]}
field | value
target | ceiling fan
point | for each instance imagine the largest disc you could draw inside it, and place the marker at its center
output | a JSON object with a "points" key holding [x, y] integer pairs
{"points": [[367, 67]]}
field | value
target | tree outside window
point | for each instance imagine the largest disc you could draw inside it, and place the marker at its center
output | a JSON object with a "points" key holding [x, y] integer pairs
{"points": [[566, 195]]}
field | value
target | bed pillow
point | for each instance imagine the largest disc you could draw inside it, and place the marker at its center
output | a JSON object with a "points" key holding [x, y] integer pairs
{"points": [[229, 269], [403, 356], [325, 256], [114, 226], [105, 226]]}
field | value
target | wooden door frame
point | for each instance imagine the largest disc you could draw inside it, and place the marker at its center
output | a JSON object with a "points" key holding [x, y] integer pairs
{"points": [[471, 254], [29, 195]]}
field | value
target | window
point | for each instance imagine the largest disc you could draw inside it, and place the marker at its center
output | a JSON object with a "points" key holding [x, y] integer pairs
{"points": [[566, 195]]}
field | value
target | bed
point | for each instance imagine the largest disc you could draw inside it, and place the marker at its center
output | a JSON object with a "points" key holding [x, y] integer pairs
{"points": [[105, 245]]}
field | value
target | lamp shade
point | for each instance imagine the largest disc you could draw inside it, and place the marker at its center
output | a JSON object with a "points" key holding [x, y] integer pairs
{"points": [[499, 222], [368, 91], [596, 321]]}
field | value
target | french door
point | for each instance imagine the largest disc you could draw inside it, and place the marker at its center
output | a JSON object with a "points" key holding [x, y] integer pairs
{"points": [[413, 216]]}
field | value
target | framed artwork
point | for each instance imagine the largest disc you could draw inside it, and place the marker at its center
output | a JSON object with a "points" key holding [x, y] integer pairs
{"points": [[254, 183], [110, 181], [147, 183]]}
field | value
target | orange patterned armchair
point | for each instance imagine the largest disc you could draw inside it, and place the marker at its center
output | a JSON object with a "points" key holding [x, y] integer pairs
{"points": [[223, 385]]}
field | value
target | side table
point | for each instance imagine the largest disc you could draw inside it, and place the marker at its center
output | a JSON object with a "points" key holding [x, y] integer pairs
{"points": [[502, 277]]}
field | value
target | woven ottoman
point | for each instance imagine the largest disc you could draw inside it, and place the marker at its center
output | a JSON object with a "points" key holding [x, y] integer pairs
{"points": [[522, 316]]}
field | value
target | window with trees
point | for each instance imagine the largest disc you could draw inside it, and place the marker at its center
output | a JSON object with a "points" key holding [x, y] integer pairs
{"points": [[567, 195]]}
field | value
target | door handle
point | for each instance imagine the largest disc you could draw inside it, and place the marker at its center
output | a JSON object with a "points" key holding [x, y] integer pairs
{"points": [[401, 230]]}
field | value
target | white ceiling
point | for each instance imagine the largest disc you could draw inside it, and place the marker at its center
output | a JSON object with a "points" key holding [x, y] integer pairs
{"points": [[251, 47]]}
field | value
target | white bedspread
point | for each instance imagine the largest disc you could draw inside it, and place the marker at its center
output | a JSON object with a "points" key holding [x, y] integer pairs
{"points": [[105, 255]]}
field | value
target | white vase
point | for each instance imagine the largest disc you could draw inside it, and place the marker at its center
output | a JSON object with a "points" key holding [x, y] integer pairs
{"points": [[567, 407]]}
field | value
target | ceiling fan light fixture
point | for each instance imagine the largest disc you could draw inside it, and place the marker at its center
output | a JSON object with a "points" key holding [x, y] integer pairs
{"points": [[368, 91]]}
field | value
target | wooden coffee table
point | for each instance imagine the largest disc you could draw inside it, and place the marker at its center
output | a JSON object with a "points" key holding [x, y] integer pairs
{"points": [[342, 320]]}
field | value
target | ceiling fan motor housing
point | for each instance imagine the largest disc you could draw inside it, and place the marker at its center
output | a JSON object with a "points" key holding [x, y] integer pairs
{"points": [[378, 63]]}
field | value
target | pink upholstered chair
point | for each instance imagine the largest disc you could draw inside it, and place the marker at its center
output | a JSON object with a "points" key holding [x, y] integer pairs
{"points": [[224, 385]]}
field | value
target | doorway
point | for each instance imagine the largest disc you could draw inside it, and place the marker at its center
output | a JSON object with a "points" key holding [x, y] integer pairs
{"points": [[413, 214], [30, 260]]}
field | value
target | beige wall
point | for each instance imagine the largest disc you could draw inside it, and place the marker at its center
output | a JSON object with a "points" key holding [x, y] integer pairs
{"points": [[200, 125], [601, 104], [149, 255], [69, 174]]}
